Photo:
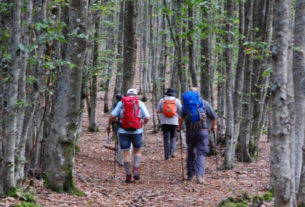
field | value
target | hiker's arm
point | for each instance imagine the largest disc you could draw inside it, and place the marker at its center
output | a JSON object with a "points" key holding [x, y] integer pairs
{"points": [[180, 123], [110, 120], [145, 120], [214, 125]]}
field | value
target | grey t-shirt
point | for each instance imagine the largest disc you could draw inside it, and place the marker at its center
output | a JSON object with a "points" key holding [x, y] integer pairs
{"points": [[169, 120]]}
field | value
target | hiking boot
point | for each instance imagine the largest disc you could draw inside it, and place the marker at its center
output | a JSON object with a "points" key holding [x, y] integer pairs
{"points": [[201, 180], [173, 154], [136, 175], [128, 179], [190, 179]]}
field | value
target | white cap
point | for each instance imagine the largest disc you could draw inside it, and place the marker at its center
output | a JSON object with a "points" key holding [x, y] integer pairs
{"points": [[132, 91]]}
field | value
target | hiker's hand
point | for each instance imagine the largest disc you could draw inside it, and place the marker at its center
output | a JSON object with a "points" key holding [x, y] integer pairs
{"points": [[214, 128], [108, 129], [178, 129]]}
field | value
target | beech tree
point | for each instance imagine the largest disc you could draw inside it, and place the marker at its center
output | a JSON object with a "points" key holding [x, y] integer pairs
{"points": [[282, 124], [59, 156]]}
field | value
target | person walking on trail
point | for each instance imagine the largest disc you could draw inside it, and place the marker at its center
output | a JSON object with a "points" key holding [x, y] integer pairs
{"points": [[169, 107], [115, 127], [134, 115], [195, 112]]}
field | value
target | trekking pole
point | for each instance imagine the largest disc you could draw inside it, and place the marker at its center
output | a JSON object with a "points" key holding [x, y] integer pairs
{"points": [[148, 177], [215, 149], [115, 155], [108, 145], [181, 149]]}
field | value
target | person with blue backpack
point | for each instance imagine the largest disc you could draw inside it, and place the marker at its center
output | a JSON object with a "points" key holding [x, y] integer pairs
{"points": [[195, 112]]}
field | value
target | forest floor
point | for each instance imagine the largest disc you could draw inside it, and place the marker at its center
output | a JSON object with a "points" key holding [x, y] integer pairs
{"points": [[161, 181]]}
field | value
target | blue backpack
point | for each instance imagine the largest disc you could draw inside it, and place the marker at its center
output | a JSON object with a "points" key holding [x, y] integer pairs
{"points": [[192, 105]]}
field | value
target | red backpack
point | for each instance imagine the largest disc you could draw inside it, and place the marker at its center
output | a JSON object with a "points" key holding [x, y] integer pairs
{"points": [[131, 120]]}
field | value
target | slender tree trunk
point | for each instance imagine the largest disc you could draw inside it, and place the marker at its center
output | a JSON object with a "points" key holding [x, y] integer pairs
{"points": [[119, 76], [59, 156], [245, 124], [228, 54], [240, 71], [299, 90], [7, 167], [191, 45], [205, 73], [130, 44], [281, 123]]}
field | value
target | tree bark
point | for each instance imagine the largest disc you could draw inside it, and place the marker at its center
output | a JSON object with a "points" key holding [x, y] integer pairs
{"points": [[228, 54], [281, 122], [59, 155], [130, 44], [299, 90], [7, 167]]}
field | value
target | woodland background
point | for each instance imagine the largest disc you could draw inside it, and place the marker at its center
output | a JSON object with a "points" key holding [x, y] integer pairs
{"points": [[247, 57]]}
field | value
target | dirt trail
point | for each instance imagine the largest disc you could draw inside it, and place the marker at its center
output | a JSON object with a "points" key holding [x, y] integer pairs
{"points": [[161, 182]]}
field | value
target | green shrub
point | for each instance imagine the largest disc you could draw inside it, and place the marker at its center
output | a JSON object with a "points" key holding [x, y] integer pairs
{"points": [[27, 204], [268, 196]]}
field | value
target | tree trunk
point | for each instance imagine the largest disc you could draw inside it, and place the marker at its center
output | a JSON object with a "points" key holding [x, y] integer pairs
{"points": [[130, 44], [191, 45], [281, 122], [240, 71], [299, 90], [59, 155], [7, 165], [205, 73], [118, 79], [245, 125], [228, 54]]}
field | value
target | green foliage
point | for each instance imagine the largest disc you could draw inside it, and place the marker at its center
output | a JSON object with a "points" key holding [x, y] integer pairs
{"points": [[77, 148], [27, 204], [50, 30], [12, 192], [268, 196], [19, 193], [5, 7]]}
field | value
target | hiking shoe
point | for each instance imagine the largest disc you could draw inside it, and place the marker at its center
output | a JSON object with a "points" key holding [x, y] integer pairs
{"points": [[173, 154], [128, 179], [201, 180], [190, 179], [136, 175]]}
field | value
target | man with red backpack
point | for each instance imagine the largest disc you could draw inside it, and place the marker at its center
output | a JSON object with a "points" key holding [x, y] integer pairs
{"points": [[134, 115], [169, 107], [196, 112]]}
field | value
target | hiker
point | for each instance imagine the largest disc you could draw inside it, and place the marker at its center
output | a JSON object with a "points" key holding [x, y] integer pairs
{"points": [[195, 112], [115, 128], [134, 116], [169, 107]]}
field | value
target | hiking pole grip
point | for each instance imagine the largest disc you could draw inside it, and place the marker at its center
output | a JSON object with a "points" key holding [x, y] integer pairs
{"points": [[181, 150], [215, 151]]}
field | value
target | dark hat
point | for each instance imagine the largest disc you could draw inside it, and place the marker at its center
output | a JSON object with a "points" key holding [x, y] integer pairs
{"points": [[118, 97], [170, 92]]}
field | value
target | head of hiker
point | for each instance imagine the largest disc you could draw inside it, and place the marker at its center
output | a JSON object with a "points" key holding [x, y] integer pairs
{"points": [[170, 92], [132, 92], [194, 89]]}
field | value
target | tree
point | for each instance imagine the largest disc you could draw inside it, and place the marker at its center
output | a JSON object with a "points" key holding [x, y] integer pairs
{"points": [[281, 121], [59, 156], [299, 90], [130, 44], [228, 54]]}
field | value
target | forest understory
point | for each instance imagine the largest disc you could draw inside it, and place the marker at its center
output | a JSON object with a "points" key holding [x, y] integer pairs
{"points": [[161, 181]]}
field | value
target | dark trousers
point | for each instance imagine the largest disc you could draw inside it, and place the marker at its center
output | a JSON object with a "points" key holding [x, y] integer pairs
{"points": [[169, 139], [197, 149]]}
